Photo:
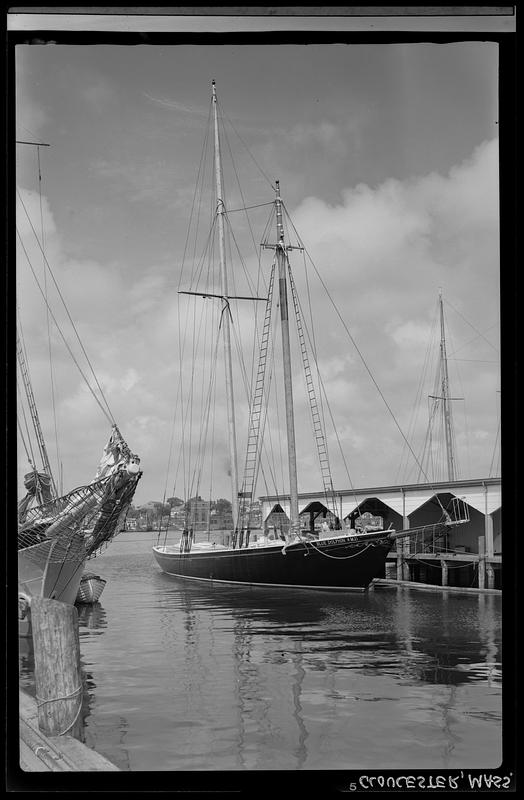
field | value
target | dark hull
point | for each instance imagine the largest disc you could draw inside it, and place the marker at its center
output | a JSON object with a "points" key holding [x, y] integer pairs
{"points": [[340, 564]]}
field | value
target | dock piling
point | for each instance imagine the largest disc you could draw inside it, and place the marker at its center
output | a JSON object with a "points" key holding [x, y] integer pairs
{"points": [[444, 567], [482, 562], [58, 676]]}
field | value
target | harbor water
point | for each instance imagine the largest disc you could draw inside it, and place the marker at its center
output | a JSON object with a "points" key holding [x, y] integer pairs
{"points": [[182, 675]]}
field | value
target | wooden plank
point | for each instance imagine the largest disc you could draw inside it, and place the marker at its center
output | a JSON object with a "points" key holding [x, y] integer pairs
{"points": [[83, 758], [38, 752], [430, 587], [41, 753], [29, 762]]}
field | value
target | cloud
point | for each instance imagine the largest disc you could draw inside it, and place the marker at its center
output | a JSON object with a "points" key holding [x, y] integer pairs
{"points": [[382, 251], [99, 95]]}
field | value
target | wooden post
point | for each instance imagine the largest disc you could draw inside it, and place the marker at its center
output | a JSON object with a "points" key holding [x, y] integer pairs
{"points": [[490, 575], [482, 563], [400, 558], [405, 545], [488, 525], [444, 565], [406, 572], [58, 677]]}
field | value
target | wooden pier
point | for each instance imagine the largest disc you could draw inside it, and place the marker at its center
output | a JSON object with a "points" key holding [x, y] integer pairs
{"points": [[41, 753], [51, 728]]}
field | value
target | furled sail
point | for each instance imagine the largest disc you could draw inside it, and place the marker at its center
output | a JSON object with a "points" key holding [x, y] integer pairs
{"points": [[97, 510], [38, 485]]}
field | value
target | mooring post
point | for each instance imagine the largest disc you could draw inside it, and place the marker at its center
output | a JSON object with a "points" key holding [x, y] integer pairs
{"points": [[490, 575], [58, 676], [400, 558], [406, 572], [444, 566], [482, 562]]}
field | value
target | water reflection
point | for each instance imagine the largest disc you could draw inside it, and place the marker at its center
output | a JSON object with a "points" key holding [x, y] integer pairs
{"points": [[277, 657], [26, 664], [188, 676], [488, 630], [301, 752], [411, 634], [92, 617]]}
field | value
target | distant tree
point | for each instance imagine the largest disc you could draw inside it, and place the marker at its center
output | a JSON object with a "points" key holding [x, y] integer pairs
{"points": [[174, 501], [222, 506], [187, 504]]}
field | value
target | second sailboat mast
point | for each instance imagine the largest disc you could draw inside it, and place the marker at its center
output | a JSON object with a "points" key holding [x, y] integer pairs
{"points": [[226, 320]]}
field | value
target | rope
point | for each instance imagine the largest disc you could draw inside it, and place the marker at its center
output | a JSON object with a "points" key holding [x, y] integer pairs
{"points": [[414, 558], [339, 558], [64, 697], [30, 457], [109, 417], [264, 175], [51, 370], [368, 370], [479, 333]]}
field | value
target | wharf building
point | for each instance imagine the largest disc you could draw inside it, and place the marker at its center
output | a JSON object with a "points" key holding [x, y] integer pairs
{"points": [[467, 555]]}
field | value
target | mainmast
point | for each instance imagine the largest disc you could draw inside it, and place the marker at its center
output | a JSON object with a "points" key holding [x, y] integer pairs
{"points": [[286, 353], [225, 320]]}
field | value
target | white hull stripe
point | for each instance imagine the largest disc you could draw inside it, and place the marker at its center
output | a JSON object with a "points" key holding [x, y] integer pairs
{"points": [[281, 585]]}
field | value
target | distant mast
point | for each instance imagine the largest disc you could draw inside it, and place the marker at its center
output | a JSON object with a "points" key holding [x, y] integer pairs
{"points": [[225, 320], [448, 425], [288, 378]]}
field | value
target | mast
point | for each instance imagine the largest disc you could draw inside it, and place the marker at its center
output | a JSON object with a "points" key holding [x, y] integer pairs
{"points": [[24, 369], [286, 354], [34, 412], [445, 394], [225, 320]]}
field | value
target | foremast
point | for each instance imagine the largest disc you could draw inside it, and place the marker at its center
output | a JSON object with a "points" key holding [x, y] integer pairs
{"points": [[36, 421], [225, 319]]}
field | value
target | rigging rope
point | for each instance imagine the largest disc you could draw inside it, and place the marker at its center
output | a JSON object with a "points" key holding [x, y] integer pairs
{"points": [[51, 371], [110, 417], [403, 468], [21, 405], [479, 333], [266, 178], [368, 370], [30, 455]]}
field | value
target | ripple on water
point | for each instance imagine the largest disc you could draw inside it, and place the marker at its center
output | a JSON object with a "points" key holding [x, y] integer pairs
{"points": [[185, 676]]}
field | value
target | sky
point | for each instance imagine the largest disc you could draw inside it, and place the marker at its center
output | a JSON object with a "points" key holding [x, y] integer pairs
{"points": [[387, 157]]}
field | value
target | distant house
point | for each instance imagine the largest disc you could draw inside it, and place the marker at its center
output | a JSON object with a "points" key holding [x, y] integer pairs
{"points": [[199, 513], [220, 520], [177, 517]]}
